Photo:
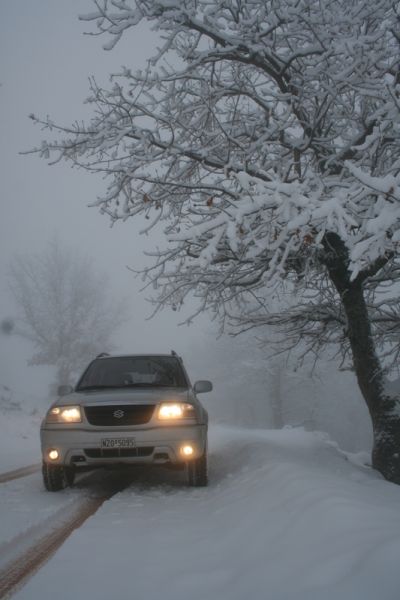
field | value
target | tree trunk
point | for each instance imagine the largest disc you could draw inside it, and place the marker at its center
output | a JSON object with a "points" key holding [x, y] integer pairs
{"points": [[382, 407], [385, 421]]}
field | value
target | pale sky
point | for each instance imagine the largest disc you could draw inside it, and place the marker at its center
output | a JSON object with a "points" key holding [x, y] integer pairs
{"points": [[45, 62]]}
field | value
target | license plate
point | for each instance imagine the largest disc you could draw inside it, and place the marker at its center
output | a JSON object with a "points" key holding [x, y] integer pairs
{"points": [[118, 443]]}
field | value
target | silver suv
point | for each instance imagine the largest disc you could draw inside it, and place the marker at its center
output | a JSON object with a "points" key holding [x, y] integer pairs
{"points": [[127, 410]]}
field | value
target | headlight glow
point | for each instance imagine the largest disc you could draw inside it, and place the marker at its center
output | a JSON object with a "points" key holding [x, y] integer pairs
{"points": [[71, 415], [64, 414], [175, 410], [187, 450]]}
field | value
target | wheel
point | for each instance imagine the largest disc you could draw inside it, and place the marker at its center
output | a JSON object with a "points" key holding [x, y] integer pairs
{"points": [[56, 477], [197, 471]]}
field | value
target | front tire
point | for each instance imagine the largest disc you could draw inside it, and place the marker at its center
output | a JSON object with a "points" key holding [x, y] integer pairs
{"points": [[198, 471], [69, 473], [57, 477]]}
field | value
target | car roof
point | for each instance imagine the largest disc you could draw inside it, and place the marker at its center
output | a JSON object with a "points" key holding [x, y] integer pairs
{"points": [[148, 355]]}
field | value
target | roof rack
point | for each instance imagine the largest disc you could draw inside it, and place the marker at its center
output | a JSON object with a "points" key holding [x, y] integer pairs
{"points": [[102, 354]]}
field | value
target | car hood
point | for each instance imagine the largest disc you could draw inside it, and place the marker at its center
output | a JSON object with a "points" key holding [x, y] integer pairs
{"points": [[126, 396]]}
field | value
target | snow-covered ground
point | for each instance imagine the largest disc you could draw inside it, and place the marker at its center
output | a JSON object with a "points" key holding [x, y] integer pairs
{"points": [[287, 515]]}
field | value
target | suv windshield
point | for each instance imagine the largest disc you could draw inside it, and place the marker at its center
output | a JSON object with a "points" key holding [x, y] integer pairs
{"points": [[133, 371]]}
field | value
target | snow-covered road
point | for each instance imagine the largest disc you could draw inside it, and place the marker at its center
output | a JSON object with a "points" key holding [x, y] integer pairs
{"points": [[286, 516]]}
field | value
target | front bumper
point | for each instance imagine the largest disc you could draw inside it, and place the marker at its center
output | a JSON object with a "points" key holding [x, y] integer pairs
{"points": [[155, 445]]}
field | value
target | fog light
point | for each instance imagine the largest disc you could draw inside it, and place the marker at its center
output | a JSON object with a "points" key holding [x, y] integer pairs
{"points": [[53, 454], [187, 450]]}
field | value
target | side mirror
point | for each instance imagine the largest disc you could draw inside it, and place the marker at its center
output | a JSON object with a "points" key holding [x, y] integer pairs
{"points": [[63, 390], [202, 386]]}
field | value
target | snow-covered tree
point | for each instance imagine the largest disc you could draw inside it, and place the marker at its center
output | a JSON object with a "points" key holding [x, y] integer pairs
{"points": [[264, 135], [64, 309]]}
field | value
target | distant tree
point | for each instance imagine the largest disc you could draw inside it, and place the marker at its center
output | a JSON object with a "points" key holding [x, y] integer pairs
{"points": [[7, 326], [265, 135], [64, 309]]}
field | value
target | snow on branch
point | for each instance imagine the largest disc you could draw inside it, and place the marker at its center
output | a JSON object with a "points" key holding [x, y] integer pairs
{"points": [[257, 129]]}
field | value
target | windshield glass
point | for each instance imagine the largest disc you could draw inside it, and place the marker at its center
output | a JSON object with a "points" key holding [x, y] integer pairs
{"points": [[133, 371]]}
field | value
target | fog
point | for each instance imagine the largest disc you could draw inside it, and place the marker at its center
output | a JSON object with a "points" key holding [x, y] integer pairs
{"points": [[45, 62]]}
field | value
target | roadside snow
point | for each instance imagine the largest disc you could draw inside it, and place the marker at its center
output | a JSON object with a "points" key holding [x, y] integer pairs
{"points": [[287, 516], [19, 439]]}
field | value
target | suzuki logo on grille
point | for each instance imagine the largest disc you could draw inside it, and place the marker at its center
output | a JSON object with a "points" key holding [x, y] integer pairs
{"points": [[118, 414]]}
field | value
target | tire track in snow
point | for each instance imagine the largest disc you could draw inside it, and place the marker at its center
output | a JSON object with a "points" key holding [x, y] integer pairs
{"points": [[17, 473], [38, 550], [15, 574]]}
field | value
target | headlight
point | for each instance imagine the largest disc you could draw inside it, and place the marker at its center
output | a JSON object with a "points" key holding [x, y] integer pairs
{"points": [[64, 414], [175, 410]]}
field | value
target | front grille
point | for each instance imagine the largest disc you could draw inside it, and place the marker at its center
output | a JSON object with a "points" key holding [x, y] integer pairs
{"points": [[119, 415], [118, 452]]}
